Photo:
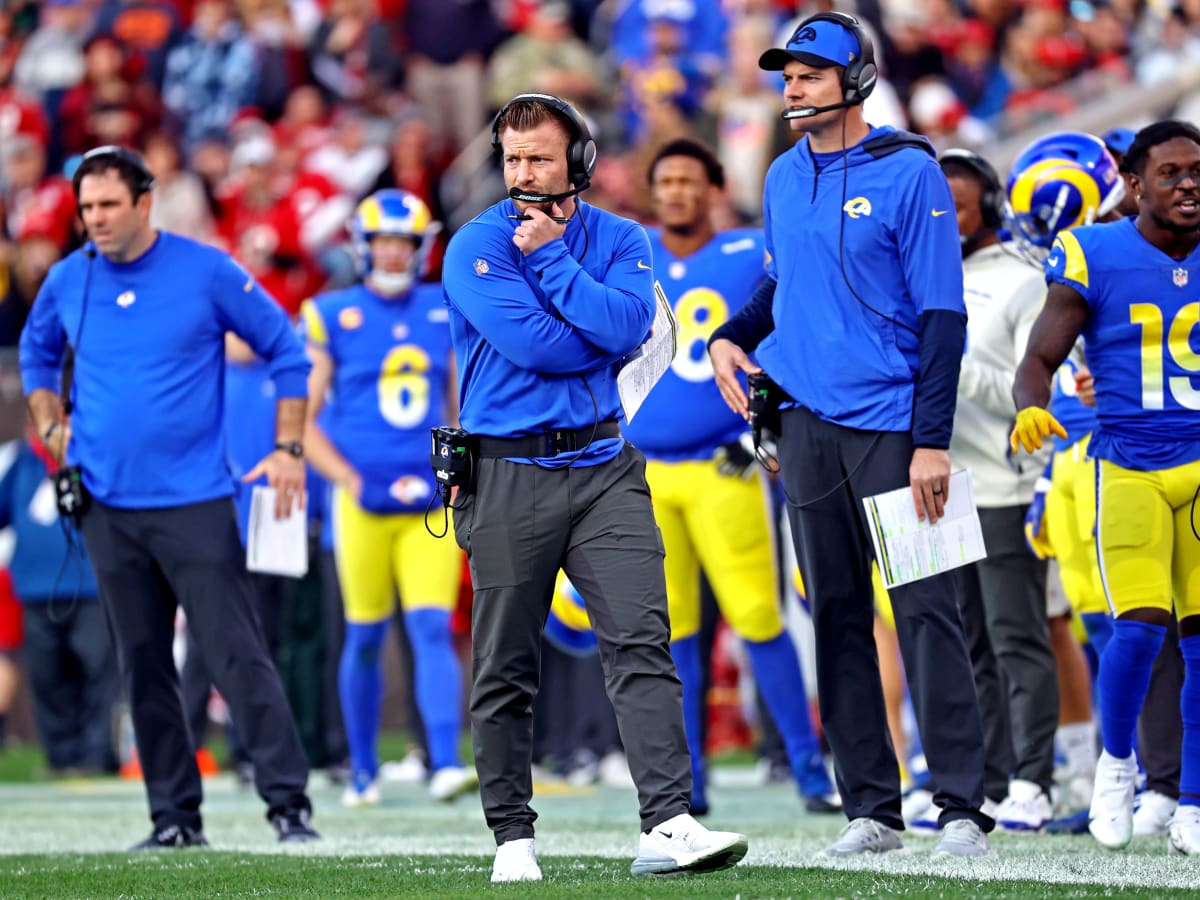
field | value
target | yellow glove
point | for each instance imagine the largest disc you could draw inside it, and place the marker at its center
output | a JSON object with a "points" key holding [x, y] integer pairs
{"points": [[1033, 424], [1037, 535]]}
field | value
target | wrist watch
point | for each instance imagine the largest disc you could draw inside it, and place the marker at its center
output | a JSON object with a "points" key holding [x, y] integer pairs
{"points": [[293, 448]]}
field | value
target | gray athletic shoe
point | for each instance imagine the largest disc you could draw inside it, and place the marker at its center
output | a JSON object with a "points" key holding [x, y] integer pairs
{"points": [[962, 837], [865, 836]]}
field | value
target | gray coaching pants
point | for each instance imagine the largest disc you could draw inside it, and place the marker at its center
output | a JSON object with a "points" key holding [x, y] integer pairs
{"points": [[520, 526], [1012, 586]]}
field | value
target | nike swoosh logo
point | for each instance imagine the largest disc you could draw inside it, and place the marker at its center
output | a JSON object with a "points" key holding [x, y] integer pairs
{"points": [[940, 212], [642, 265]]}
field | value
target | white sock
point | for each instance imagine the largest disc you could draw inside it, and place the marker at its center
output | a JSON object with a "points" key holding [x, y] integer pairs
{"points": [[1078, 743]]}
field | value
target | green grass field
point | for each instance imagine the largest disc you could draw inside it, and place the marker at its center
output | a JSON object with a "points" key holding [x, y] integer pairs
{"points": [[64, 839]]}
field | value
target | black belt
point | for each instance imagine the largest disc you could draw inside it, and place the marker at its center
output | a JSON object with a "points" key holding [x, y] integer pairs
{"points": [[548, 443]]}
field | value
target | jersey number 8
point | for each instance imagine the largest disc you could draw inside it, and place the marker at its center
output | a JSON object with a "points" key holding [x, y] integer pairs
{"points": [[698, 313]]}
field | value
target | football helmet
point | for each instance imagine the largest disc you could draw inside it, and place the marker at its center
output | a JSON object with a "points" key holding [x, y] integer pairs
{"points": [[567, 626], [392, 212], [1059, 182]]}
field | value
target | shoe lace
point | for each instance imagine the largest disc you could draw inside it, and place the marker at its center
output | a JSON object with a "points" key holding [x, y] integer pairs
{"points": [[962, 829], [869, 829], [682, 834]]}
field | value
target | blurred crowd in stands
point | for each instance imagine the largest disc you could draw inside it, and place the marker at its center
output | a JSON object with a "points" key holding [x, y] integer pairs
{"points": [[266, 120]]}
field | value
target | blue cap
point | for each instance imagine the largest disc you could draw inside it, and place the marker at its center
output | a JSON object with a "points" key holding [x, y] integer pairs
{"points": [[819, 44], [1117, 140]]}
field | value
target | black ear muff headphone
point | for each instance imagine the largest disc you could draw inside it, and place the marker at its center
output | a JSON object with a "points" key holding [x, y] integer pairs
{"points": [[991, 199], [117, 157], [581, 152], [858, 78]]}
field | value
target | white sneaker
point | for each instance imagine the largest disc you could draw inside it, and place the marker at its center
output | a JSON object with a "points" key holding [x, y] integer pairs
{"points": [[516, 861], [1152, 814], [1076, 792], [409, 770], [918, 810], [1110, 819], [962, 837], [614, 770], [1026, 808], [451, 782], [864, 835], [353, 798], [682, 844], [1183, 835]]}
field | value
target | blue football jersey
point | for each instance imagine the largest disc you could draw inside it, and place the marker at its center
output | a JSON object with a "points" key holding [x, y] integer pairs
{"points": [[391, 361], [1066, 407], [684, 416], [1142, 342]]}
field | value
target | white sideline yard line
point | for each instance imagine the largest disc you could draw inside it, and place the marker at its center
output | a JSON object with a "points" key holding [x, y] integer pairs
{"points": [[107, 816]]}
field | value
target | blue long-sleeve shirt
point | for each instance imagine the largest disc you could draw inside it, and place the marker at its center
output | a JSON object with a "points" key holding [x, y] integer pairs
{"points": [[148, 391], [539, 339], [43, 566], [897, 239]]}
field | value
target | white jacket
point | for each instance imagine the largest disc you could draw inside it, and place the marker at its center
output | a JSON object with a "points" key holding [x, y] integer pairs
{"points": [[1003, 295]]}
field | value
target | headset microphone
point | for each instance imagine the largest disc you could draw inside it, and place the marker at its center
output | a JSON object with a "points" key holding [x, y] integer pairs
{"points": [[807, 112], [530, 197], [527, 197]]}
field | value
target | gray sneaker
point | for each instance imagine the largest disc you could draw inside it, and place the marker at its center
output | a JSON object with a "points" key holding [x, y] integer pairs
{"points": [[864, 836], [962, 837]]}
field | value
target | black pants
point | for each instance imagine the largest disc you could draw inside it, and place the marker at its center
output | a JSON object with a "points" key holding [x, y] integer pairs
{"points": [[1013, 586], [828, 470], [73, 677], [589, 730], [196, 681], [147, 563], [522, 525], [333, 619], [990, 688], [1160, 725]]}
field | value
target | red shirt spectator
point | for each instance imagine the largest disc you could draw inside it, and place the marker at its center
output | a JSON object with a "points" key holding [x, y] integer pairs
{"points": [[111, 105], [32, 202]]}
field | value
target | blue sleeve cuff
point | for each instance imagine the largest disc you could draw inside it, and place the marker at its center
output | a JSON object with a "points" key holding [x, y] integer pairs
{"points": [[546, 254], [40, 377], [943, 336], [290, 383]]}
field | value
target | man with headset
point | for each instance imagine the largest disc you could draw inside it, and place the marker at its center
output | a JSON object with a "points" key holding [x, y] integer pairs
{"points": [[140, 317], [547, 296], [710, 498], [861, 324], [1004, 600]]}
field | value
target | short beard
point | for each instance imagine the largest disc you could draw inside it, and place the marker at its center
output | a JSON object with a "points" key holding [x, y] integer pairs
{"points": [[688, 229], [1173, 227]]}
